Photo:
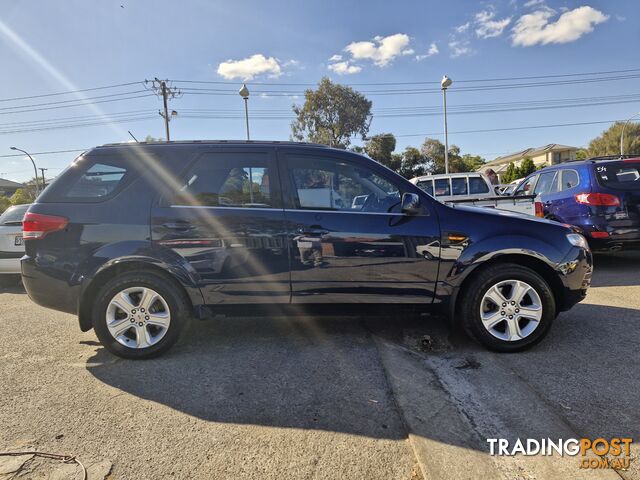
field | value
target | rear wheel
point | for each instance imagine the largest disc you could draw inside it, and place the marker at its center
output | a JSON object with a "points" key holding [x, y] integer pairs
{"points": [[508, 308], [139, 315]]}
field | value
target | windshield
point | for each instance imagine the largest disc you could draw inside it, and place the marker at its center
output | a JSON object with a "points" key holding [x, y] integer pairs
{"points": [[624, 175]]}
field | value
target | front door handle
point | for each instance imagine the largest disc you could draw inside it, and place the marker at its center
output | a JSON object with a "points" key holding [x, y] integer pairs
{"points": [[314, 230]]}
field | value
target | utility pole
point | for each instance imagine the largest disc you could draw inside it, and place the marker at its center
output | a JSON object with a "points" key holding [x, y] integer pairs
{"points": [[42, 170], [162, 88]]}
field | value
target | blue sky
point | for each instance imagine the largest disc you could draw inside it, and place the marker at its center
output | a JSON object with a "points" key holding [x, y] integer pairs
{"points": [[50, 47]]}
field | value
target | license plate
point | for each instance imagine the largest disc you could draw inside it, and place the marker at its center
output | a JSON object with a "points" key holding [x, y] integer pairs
{"points": [[18, 240]]}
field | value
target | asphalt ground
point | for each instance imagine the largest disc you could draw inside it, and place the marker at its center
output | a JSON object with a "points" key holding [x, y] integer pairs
{"points": [[320, 397]]}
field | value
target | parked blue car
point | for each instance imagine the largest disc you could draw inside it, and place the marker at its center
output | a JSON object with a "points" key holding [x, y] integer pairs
{"points": [[599, 196]]}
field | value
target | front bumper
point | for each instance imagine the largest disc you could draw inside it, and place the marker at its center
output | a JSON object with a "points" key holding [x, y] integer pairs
{"points": [[575, 273]]}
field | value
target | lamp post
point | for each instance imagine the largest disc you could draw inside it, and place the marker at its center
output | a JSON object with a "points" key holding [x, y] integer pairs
{"points": [[244, 93], [35, 170], [445, 83], [622, 134]]}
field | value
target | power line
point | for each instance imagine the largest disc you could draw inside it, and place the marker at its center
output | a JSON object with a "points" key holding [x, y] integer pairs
{"points": [[79, 104], [82, 101], [69, 92]]}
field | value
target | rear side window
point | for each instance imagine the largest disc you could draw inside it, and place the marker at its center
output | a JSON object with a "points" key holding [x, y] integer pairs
{"points": [[547, 183], [459, 186], [619, 175], [13, 215], [569, 179], [427, 186], [442, 187], [227, 180], [477, 185]]}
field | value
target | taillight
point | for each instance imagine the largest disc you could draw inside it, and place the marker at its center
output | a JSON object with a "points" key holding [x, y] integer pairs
{"points": [[599, 234], [631, 160], [36, 226], [539, 209], [598, 199]]}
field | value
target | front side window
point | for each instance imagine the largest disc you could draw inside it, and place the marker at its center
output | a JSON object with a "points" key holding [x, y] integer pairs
{"points": [[227, 180], [459, 186], [525, 188], [477, 185], [331, 184]]}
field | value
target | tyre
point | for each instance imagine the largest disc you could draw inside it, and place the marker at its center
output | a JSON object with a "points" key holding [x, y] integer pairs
{"points": [[508, 308], [139, 315]]}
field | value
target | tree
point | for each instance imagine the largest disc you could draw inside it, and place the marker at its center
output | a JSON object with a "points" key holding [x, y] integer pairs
{"points": [[526, 167], [331, 115], [472, 162], [608, 143], [4, 203], [433, 151], [380, 147], [22, 196], [582, 154], [413, 163], [510, 174]]}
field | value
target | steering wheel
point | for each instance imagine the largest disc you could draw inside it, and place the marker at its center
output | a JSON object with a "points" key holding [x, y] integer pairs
{"points": [[370, 203]]}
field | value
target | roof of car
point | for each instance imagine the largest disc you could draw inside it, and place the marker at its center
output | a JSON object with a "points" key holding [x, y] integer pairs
{"points": [[177, 143], [593, 160], [448, 175]]}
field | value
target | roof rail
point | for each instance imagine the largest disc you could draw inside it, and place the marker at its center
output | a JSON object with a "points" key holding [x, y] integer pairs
{"points": [[217, 142], [603, 158]]}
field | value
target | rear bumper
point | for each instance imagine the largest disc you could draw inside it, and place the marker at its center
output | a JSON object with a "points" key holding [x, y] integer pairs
{"points": [[575, 272], [10, 265], [47, 288]]}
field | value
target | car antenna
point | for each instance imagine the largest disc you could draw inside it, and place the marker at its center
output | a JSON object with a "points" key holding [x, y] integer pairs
{"points": [[133, 136]]}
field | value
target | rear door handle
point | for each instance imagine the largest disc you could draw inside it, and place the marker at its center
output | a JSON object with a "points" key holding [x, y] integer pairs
{"points": [[313, 230], [177, 225]]}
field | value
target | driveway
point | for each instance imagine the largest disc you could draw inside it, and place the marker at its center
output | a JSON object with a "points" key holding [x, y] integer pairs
{"points": [[304, 397]]}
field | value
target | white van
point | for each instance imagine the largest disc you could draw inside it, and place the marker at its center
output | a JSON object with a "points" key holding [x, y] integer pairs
{"points": [[456, 186]]}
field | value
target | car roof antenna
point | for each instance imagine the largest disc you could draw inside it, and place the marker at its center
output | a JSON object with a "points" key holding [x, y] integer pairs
{"points": [[133, 136]]}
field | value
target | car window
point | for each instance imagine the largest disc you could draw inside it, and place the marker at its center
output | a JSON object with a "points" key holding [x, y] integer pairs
{"points": [[569, 179], [13, 215], [547, 183], [623, 175], [331, 184], [227, 180], [459, 186], [98, 181], [426, 185], [525, 188], [442, 187], [477, 185]]}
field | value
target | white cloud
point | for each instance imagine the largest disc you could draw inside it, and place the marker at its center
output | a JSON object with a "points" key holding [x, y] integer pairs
{"points": [[344, 68], [463, 28], [336, 58], [536, 28], [250, 67], [433, 50], [533, 3], [382, 50], [459, 48], [487, 27]]}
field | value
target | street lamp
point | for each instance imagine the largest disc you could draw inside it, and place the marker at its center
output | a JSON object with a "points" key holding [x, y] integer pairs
{"points": [[244, 93], [622, 134], [34, 166], [445, 83]]}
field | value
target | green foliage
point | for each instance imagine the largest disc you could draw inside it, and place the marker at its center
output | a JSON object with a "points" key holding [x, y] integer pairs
{"points": [[331, 115], [608, 143], [4, 203], [526, 167], [513, 173], [413, 163], [433, 151], [22, 196], [582, 154], [510, 174], [380, 147], [472, 162]]}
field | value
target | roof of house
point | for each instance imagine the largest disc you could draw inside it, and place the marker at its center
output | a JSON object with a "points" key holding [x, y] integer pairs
{"points": [[529, 152], [9, 184]]}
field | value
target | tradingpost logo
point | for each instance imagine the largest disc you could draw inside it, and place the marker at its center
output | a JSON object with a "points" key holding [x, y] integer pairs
{"points": [[614, 453]]}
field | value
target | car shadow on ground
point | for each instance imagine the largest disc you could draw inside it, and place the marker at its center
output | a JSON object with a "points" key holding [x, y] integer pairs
{"points": [[325, 373], [616, 269], [11, 284]]}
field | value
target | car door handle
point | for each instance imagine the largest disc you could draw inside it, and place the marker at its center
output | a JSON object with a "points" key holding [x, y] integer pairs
{"points": [[178, 225], [313, 230]]}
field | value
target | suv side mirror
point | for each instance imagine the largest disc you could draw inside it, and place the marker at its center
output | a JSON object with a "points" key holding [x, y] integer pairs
{"points": [[410, 203]]}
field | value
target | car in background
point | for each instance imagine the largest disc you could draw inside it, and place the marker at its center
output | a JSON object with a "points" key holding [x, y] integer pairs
{"points": [[509, 188], [599, 196], [136, 239], [11, 241]]}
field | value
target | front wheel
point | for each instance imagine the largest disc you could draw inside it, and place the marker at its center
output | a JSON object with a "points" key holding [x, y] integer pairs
{"points": [[139, 315], [508, 308]]}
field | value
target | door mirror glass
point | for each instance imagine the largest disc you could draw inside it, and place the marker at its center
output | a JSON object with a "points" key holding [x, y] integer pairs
{"points": [[410, 203]]}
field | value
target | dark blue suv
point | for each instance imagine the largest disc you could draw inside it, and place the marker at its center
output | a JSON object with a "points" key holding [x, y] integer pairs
{"points": [[599, 196], [136, 239]]}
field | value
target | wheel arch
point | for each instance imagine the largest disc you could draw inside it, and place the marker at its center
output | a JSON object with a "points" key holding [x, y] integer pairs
{"points": [[108, 272], [537, 265]]}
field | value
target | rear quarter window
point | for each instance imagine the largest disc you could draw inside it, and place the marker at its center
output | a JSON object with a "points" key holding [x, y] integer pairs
{"points": [[619, 175]]}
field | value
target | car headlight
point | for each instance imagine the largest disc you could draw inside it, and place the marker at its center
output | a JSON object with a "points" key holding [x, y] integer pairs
{"points": [[577, 240]]}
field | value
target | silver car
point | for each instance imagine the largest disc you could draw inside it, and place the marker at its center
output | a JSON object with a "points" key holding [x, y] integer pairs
{"points": [[11, 243]]}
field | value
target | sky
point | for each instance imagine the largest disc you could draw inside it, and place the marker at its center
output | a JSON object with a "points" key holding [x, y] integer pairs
{"points": [[393, 52]]}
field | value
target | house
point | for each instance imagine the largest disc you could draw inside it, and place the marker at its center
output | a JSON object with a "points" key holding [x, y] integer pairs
{"points": [[8, 188], [547, 155]]}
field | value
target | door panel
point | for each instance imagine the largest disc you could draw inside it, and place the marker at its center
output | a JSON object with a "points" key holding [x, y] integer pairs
{"points": [[227, 222], [348, 250]]}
